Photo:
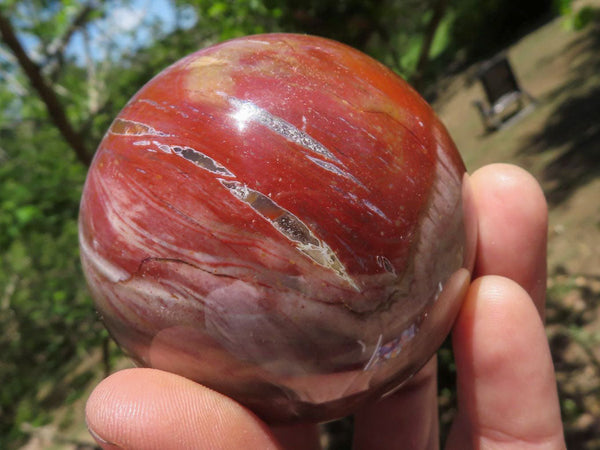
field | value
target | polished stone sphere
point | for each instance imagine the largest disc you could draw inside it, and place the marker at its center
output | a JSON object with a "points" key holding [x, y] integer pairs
{"points": [[282, 219]]}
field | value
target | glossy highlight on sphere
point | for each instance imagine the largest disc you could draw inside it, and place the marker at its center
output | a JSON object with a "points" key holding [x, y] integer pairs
{"points": [[282, 219]]}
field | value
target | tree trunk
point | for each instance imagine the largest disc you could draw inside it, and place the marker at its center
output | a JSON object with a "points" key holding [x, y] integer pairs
{"points": [[439, 9]]}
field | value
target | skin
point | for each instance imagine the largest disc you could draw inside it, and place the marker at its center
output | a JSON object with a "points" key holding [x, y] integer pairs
{"points": [[507, 395]]}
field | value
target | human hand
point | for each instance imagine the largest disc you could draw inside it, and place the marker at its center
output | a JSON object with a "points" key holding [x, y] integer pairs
{"points": [[506, 385]]}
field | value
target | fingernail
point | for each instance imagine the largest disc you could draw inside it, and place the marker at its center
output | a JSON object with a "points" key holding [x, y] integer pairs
{"points": [[106, 445]]}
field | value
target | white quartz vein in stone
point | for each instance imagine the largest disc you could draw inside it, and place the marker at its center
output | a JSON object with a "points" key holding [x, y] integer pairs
{"points": [[291, 227]]}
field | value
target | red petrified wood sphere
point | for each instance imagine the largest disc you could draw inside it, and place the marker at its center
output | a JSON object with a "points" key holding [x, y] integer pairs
{"points": [[282, 219]]}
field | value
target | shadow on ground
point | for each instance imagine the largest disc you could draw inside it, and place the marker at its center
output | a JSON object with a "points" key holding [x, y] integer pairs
{"points": [[572, 321], [573, 127]]}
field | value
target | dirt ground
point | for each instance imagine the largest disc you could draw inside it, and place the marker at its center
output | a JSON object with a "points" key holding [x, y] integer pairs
{"points": [[558, 141]]}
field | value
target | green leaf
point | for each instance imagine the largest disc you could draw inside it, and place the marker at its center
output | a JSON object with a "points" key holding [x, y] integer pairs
{"points": [[216, 10], [27, 213]]}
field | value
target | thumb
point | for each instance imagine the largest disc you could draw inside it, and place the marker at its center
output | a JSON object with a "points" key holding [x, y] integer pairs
{"points": [[151, 409]]}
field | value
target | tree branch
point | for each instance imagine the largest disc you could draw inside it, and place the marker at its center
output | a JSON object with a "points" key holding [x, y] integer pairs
{"points": [[48, 96], [57, 46]]}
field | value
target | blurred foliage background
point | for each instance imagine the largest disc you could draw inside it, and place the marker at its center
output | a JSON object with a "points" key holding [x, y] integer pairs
{"points": [[67, 67]]}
